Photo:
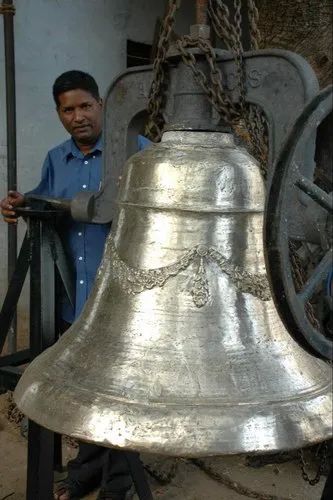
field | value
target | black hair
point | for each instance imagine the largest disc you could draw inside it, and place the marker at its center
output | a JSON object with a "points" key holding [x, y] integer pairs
{"points": [[72, 80]]}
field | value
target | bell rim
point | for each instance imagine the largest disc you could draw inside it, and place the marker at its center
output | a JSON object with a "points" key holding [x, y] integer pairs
{"points": [[189, 432]]}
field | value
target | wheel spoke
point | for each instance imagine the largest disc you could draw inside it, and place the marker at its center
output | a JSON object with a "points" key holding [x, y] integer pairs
{"points": [[317, 276], [316, 194]]}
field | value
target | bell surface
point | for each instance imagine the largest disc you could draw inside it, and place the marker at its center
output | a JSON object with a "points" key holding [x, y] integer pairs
{"points": [[179, 349]]}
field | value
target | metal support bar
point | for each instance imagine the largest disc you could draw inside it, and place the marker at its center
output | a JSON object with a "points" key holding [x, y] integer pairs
{"points": [[14, 290], [327, 493], [52, 254], [138, 475], [8, 11], [245, 35], [65, 272], [47, 288], [18, 358], [40, 463], [318, 195], [9, 376], [57, 456], [41, 451]]}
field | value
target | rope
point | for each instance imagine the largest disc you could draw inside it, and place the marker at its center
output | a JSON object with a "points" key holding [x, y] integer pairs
{"points": [[7, 8]]}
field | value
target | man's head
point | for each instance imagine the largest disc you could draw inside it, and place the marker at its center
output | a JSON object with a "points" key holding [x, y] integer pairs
{"points": [[79, 106]]}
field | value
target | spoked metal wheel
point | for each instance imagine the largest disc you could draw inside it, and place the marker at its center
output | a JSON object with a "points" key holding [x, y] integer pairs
{"points": [[298, 234]]}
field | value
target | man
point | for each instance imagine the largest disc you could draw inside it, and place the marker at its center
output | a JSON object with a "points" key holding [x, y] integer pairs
{"points": [[73, 166]]}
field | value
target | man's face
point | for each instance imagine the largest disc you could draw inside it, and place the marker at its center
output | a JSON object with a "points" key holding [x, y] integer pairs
{"points": [[81, 115]]}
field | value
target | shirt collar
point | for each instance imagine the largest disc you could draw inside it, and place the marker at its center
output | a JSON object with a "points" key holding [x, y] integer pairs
{"points": [[72, 151]]}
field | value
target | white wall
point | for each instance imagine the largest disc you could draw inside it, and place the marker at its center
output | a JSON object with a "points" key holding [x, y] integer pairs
{"points": [[52, 36], [143, 15]]}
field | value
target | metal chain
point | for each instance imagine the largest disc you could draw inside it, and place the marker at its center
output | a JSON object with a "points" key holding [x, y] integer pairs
{"points": [[236, 117], [231, 36], [258, 123], [252, 118], [257, 127], [215, 92], [164, 474], [230, 483], [239, 61], [219, 16], [246, 120], [253, 21], [323, 452], [156, 95]]}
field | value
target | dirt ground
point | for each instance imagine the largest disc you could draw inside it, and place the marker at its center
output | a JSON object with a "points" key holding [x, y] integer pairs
{"points": [[223, 478]]}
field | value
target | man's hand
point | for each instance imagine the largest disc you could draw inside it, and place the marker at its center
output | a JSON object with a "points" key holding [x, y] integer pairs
{"points": [[13, 200]]}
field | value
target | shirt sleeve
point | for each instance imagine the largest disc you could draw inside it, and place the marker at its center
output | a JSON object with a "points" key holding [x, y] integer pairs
{"points": [[45, 185], [143, 142]]}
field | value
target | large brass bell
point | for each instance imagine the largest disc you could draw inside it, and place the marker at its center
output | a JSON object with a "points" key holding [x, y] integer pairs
{"points": [[179, 349]]}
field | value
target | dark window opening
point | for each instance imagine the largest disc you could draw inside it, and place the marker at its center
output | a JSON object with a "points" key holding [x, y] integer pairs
{"points": [[138, 54]]}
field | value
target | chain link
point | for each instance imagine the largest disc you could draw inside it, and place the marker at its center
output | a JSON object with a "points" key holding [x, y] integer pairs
{"points": [[239, 61], [219, 15], [213, 89], [231, 34], [156, 101], [323, 453], [246, 120], [257, 127], [253, 120], [253, 21], [230, 483]]}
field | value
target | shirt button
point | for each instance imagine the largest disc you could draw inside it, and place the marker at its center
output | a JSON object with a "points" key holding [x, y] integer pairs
{"points": [[94, 156], [80, 258], [79, 234], [86, 162], [84, 186], [81, 282]]}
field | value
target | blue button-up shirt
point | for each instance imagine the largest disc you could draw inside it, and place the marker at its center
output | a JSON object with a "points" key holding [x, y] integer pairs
{"points": [[66, 172]]}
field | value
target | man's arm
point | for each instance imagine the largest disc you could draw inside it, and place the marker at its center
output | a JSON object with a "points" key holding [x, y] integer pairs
{"points": [[14, 199]]}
